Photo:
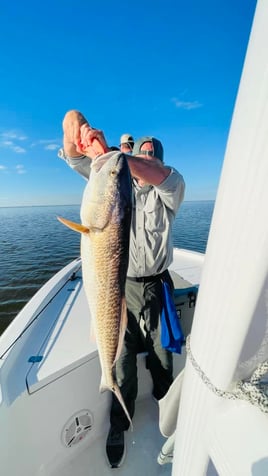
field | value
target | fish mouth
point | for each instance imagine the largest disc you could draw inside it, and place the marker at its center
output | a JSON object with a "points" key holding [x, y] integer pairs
{"points": [[115, 164]]}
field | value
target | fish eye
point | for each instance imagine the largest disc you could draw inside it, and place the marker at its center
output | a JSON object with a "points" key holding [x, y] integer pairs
{"points": [[113, 172]]}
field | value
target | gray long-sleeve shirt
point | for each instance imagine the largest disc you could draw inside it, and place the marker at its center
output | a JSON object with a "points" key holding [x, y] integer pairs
{"points": [[154, 211]]}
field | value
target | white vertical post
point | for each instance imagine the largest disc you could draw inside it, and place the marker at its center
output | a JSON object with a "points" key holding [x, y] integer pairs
{"points": [[236, 262]]}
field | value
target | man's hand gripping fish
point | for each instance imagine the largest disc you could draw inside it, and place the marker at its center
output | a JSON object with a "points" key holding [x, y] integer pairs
{"points": [[106, 215]]}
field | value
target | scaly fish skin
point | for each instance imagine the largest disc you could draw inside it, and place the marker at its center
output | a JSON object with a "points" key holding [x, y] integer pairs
{"points": [[106, 212]]}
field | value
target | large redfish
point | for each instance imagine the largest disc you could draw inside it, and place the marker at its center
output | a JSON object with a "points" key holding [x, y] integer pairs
{"points": [[106, 215]]}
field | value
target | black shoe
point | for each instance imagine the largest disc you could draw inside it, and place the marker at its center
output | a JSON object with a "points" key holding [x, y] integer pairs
{"points": [[115, 447]]}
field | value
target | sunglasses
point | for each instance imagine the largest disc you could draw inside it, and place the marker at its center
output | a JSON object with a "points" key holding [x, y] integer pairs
{"points": [[147, 152]]}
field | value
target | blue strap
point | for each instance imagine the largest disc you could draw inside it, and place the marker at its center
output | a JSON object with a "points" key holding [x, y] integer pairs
{"points": [[172, 336]]}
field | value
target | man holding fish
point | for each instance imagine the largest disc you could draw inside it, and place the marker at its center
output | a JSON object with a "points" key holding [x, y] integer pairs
{"points": [[157, 192]]}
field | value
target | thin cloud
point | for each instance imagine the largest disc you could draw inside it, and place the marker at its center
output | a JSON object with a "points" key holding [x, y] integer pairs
{"points": [[187, 105], [45, 141], [18, 149], [20, 169], [7, 143], [13, 135], [12, 140], [48, 144], [11, 146], [8, 140], [52, 147]]}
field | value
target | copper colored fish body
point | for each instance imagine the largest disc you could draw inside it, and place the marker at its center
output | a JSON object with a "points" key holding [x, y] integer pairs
{"points": [[106, 216]]}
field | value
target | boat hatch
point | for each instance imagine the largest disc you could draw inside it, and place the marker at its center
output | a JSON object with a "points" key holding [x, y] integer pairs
{"points": [[67, 344]]}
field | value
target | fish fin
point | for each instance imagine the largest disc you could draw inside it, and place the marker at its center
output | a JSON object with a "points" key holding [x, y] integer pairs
{"points": [[74, 226], [116, 390], [122, 330]]}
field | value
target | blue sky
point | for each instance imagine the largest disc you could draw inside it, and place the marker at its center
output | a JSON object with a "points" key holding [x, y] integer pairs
{"points": [[150, 67]]}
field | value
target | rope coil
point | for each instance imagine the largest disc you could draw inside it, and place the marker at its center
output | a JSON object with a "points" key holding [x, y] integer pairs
{"points": [[252, 391]]}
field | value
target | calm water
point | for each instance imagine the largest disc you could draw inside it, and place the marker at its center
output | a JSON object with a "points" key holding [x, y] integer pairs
{"points": [[34, 246]]}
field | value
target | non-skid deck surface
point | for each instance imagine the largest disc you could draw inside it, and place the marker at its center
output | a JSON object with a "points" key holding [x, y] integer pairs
{"points": [[143, 445], [142, 448]]}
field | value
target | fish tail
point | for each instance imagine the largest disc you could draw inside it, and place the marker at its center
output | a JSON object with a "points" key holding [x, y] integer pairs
{"points": [[115, 389]]}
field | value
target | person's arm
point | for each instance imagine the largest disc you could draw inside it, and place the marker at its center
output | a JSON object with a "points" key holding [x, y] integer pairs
{"points": [[150, 171], [81, 143], [79, 138], [91, 142], [172, 190]]}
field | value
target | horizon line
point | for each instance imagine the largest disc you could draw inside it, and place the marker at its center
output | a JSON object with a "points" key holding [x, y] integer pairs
{"points": [[79, 204]]}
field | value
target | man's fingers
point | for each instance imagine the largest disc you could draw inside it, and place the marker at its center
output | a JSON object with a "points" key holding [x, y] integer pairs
{"points": [[86, 134]]}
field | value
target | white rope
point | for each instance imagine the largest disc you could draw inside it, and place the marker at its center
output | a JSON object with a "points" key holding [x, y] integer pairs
{"points": [[252, 391]]}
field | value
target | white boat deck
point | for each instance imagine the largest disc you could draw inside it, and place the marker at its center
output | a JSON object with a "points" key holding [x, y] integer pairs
{"points": [[142, 447], [50, 374]]}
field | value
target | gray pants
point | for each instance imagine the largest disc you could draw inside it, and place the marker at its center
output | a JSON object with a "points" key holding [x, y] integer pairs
{"points": [[144, 302]]}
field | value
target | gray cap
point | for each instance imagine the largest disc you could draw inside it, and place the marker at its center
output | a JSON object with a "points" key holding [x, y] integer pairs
{"points": [[157, 152], [126, 138]]}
